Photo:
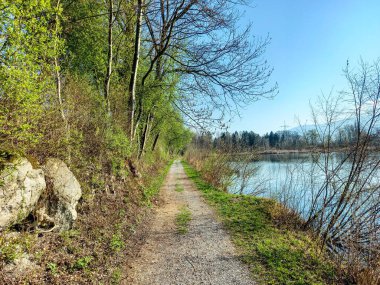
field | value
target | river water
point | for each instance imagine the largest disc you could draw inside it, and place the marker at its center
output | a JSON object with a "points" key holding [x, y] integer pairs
{"points": [[293, 178]]}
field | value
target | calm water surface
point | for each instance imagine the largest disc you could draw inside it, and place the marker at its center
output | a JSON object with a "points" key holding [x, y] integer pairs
{"points": [[290, 178]]}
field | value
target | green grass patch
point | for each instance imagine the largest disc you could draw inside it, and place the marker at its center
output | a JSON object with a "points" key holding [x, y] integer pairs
{"points": [[154, 185], [276, 254], [117, 242], [182, 220], [179, 188], [83, 263]]}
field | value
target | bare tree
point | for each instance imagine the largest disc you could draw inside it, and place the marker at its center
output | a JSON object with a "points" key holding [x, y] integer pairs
{"points": [[343, 199], [135, 65], [109, 56], [220, 67], [197, 44]]}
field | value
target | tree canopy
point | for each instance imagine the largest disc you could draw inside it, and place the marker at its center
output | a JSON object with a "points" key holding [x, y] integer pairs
{"points": [[72, 71]]}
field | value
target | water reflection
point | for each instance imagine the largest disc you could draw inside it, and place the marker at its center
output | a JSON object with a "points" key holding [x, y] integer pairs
{"points": [[296, 179]]}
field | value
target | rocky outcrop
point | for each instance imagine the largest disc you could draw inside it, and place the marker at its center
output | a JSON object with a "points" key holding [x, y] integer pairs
{"points": [[66, 192], [51, 193], [20, 188]]}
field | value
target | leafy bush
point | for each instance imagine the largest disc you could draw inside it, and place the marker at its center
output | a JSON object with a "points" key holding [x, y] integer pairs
{"points": [[119, 148], [214, 166]]}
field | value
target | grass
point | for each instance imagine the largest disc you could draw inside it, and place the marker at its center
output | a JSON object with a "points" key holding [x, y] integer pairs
{"points": [[182, 220], [179, 188], [154, 185], [276, 254]]}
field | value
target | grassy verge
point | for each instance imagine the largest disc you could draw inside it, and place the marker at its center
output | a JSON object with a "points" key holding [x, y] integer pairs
{"points": [[182, 220], [154, 184], [276, 254]]}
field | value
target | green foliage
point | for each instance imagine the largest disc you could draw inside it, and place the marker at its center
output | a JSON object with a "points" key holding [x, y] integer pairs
{"points": [[119, 148], [87, 41], [28, 43], [14, 246], [10, 251], [275, 254], [97, 181], [46, 42], [117, 242], [69, 234], [83, 263], [6, 157], [174, 135], [118, 143], [182, 220], [52, 267], [116, 276], [154, 185]]}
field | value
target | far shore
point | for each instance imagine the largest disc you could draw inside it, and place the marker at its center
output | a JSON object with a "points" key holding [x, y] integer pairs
{"points": [[287, 151], [295, 151]]}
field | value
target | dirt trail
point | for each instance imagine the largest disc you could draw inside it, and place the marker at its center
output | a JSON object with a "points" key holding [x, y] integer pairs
{"points": [[204, 255]]}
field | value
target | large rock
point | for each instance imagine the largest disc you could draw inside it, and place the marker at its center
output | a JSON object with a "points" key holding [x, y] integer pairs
{"points": [[66, 190], [20, 188]]}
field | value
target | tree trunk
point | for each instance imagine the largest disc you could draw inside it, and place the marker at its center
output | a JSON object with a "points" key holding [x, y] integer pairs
{"points": [[144, 136], [58, 86], [137, 121], [155, 141], [109, 57], [135, 64]]}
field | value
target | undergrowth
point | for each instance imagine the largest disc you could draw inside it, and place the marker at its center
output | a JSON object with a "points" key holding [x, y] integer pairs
{"points": [[103, 240], [276, 254]]}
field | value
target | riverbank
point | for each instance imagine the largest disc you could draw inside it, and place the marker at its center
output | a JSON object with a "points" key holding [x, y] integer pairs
{"points": [[267, 237]]}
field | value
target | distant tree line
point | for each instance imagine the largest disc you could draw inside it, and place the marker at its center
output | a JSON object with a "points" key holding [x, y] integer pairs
{"points": [[248, 140]]}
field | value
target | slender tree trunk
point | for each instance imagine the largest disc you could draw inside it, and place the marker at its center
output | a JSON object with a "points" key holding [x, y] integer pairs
{"points": [[138, 119], [62, 111], [58, 86], [155, 141], [135, 64], [109, 57], [145, 135], [57, 67]]}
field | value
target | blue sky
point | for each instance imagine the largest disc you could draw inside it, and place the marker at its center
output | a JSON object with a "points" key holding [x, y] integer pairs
{"points": [[311, 43]]}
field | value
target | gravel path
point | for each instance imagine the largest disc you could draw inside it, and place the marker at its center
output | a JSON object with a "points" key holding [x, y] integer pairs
{"points": [[204, 255]]}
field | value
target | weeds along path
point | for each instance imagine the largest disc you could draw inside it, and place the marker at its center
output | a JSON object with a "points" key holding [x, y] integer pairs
{"points": [[186, 244]]}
